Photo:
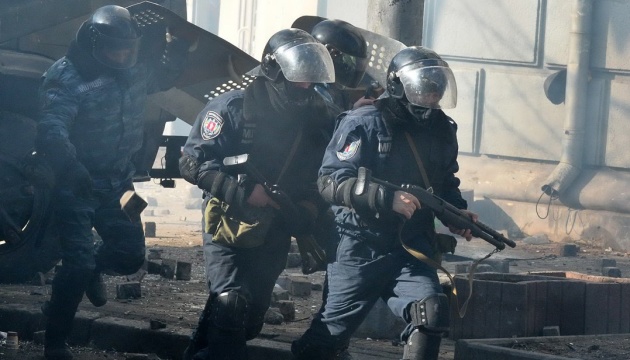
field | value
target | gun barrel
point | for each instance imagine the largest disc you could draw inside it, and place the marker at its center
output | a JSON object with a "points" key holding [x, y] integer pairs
{"points": [[452, 215]]}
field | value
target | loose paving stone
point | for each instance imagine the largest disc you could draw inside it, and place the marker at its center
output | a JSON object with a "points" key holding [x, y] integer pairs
{"points": [[149, 229], [182, 271], [128, 290], [611, 272], [168, 268], [154, 267]]}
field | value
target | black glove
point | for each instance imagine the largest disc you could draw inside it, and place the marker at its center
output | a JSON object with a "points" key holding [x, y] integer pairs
{"points": [[79, 180]]}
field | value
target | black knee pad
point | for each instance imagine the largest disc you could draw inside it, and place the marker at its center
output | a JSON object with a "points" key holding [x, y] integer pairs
{"points": [[229, 310], [431, 313]]}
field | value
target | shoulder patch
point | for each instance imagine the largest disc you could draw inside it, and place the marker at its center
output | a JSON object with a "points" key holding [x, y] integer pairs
{"points": [[211, 125], [349, 150]]}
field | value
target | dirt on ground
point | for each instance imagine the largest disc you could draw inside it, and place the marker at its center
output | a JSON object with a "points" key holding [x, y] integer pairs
{"points": [[593, 348], [179, 302]]}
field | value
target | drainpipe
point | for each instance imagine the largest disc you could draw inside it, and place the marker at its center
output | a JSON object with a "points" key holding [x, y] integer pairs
{"points": [[576, 89]]}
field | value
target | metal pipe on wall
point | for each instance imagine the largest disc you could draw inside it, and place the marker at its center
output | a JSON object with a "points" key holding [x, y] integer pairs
{"points": [[578, 66]]}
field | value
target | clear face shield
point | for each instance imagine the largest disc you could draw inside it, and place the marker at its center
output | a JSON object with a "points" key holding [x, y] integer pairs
{"points": [[306, 62], [431, 87], [116, 53]]}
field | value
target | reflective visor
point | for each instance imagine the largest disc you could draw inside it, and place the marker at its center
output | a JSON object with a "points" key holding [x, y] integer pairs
{"points": [[306, 62], [116, 53], [431, 87]]}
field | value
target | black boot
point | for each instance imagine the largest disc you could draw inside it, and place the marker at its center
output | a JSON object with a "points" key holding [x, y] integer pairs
{"points": [[67, 291], [224, 344], [199, 337], [96, 290], [422, 346]]}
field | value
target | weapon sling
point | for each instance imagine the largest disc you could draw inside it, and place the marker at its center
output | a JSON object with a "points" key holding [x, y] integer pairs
{"points": [[422, 257]]}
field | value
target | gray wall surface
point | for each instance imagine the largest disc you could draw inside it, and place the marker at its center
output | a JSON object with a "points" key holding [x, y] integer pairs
{"points": [[502, 51]]}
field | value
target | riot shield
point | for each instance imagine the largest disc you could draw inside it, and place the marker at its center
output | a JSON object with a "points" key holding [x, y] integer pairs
{"points": [[381, 48], [213, 65]]}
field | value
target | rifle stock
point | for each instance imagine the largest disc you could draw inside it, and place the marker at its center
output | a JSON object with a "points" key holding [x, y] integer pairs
{"points": [[449, 213]]}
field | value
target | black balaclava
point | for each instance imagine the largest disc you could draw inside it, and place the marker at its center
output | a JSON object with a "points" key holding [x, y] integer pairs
{"points": [[402, 112], [285, 96]]}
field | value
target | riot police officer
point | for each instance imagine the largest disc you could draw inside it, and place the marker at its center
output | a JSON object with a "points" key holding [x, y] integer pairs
{"points": [[405, 139], [90, 125], [277, 121], [348, 50]]}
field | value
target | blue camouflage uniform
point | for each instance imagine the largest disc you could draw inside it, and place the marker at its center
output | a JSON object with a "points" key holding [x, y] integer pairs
{"points": [[96, 124], [368, 260]]}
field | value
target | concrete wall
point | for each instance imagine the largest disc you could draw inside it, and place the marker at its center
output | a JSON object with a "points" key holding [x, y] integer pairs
{"points": [[502, 51]]}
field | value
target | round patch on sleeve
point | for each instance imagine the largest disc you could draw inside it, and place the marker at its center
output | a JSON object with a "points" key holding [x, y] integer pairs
{"points": [[211, 125], [349, 150]]}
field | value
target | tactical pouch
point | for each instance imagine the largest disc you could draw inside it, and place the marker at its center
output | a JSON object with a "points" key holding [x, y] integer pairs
{"points": [[226, 229], [443, 243]]}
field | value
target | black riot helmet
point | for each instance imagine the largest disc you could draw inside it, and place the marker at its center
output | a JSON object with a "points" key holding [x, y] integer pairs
{"points": [[112, 36], [298, 56], [419, 76], [347, 48]]}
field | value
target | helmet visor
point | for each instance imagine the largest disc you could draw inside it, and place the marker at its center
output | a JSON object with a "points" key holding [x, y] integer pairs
{"points": [[431, 87], [306, 62], [349, 69], [116, 53]]}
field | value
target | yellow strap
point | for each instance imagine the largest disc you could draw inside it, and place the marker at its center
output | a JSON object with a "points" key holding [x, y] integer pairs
{"points": [[427, 260]]}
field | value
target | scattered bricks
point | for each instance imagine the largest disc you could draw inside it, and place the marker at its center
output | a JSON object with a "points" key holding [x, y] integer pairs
{"points": [[611, 271], [128, 290], [152, 201], [154, 267], [299, 286], [273, 317], [294, 260], [155, 254], [462, 268], [38, 337], [287, 309], [156, 324], [182, 271], [168, 268], [165, 212], [567, 250], [148, 213], [279, 294], [608, 263], [149, 229], [551, 331]]}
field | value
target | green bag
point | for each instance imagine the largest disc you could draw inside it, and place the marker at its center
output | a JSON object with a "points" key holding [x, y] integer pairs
{"points": [[248, 232]]}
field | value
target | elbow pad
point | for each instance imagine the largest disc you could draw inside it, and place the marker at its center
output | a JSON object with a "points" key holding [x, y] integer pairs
{"points": [[373, 200]]}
